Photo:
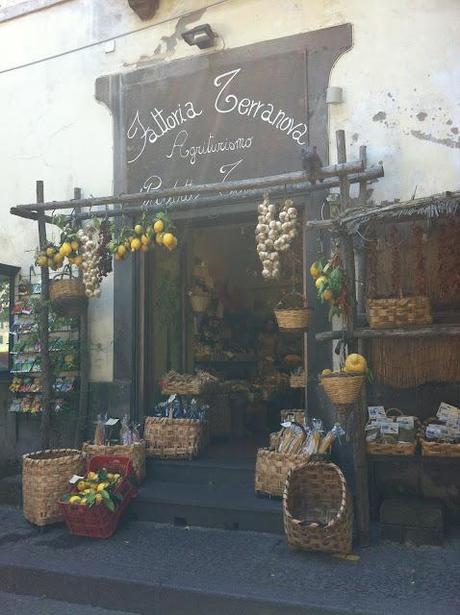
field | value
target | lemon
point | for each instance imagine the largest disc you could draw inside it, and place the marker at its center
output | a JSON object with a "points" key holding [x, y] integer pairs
{"points": [[159, 238], [121, 250], [92, 476], [116, 476], [75, 499], [42, 261], [109, 476], [315, 270], [84, 501], [159, 226], [328, 295], [58, 259], [135, 245], [145, 240], [320, 281], [139, 229], [102, 486], [81, 485], [74, 245], [326, 372], [173, 246], [50, 251], [98, 498], [168, 240], [65, 249], [78, 261]]}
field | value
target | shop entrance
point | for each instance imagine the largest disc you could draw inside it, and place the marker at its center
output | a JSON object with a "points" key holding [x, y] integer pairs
{"points": [[208, 308]]}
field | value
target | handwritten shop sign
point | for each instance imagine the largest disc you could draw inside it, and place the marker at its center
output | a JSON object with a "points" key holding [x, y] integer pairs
{"points": [[216, 124]]}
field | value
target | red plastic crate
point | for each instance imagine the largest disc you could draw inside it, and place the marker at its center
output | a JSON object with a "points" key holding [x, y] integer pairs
{"points": [[99, 521]]}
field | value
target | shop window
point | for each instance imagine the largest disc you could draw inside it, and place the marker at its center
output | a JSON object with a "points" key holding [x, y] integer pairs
{"points": [[7, 277]]}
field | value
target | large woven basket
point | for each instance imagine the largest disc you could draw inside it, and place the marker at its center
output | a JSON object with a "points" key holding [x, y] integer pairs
{"points": [[135, 452], [68, 296], [272, 468], [292, 319], [399, 312], [342, 389], [174, 438], [45, 479], [317, 509]]}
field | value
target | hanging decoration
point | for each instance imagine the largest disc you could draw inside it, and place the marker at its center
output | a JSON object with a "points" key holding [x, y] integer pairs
{"points": [[274, 234], [93, 247], [331, 284]]}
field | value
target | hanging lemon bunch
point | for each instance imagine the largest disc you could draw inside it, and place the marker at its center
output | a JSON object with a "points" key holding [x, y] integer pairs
{"points": [[143, 237]]}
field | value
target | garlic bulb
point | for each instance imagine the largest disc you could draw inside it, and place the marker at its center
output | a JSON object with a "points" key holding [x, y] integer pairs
{"points": [[89, 239]]}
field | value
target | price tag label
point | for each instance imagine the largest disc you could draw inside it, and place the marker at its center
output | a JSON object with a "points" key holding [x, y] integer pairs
{"points": [[376, 412], [75, 478], [447, 413]]}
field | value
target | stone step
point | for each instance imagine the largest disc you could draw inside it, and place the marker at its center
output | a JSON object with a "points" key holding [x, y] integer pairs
{"points": [[202, 471], [222, 506]]}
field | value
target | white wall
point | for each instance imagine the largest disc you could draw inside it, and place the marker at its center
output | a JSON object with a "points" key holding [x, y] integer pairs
{"points": [[403, 65]]}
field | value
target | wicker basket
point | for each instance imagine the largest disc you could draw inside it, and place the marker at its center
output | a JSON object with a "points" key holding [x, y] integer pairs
{"points": [[175, 438], [293, 415], [272, 468], [342, 389], [194, 388], [135, 452], [317, 509], [68, 296], [437, 449], [297, 381], [292, 319], [45, 479], [401, 449], [200, 303], [399, 312]]}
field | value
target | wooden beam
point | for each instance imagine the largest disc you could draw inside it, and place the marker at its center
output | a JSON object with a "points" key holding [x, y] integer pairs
{"points": [[362, 510], [45, 424], [263, 183], [367, 333], [341, 159], [82, 423]]}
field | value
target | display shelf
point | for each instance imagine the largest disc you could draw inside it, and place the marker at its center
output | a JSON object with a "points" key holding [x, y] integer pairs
{"points": [[401, 332]]}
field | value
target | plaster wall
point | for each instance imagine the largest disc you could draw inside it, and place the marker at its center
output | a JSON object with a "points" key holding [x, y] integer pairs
{"points": [[401, 84]]}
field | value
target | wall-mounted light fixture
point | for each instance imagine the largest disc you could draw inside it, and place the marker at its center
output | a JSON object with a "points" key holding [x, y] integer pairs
{"points": [[334, 96], [203, 36]]}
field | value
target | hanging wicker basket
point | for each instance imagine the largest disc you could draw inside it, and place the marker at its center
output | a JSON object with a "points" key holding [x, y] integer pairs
{"points": [[200, 303], [399, 312], [317, 509], [45, 479], [292, 318], [67, 294], [343, 388], [272, 468]]}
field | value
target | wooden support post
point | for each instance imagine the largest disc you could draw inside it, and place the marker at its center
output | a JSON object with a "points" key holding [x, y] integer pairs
{"points": [[82, 425], [341, 159], [304, 290], [361, 252], [45, 425], [360, 408]]}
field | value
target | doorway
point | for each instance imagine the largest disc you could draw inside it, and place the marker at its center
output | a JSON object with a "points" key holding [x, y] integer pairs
{"points": [[231, 332]]}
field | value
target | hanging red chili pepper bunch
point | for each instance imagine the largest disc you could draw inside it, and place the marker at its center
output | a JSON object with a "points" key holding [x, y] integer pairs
{"points": [[395, 261], [449, 260], [420, 259], [371, 276]]}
